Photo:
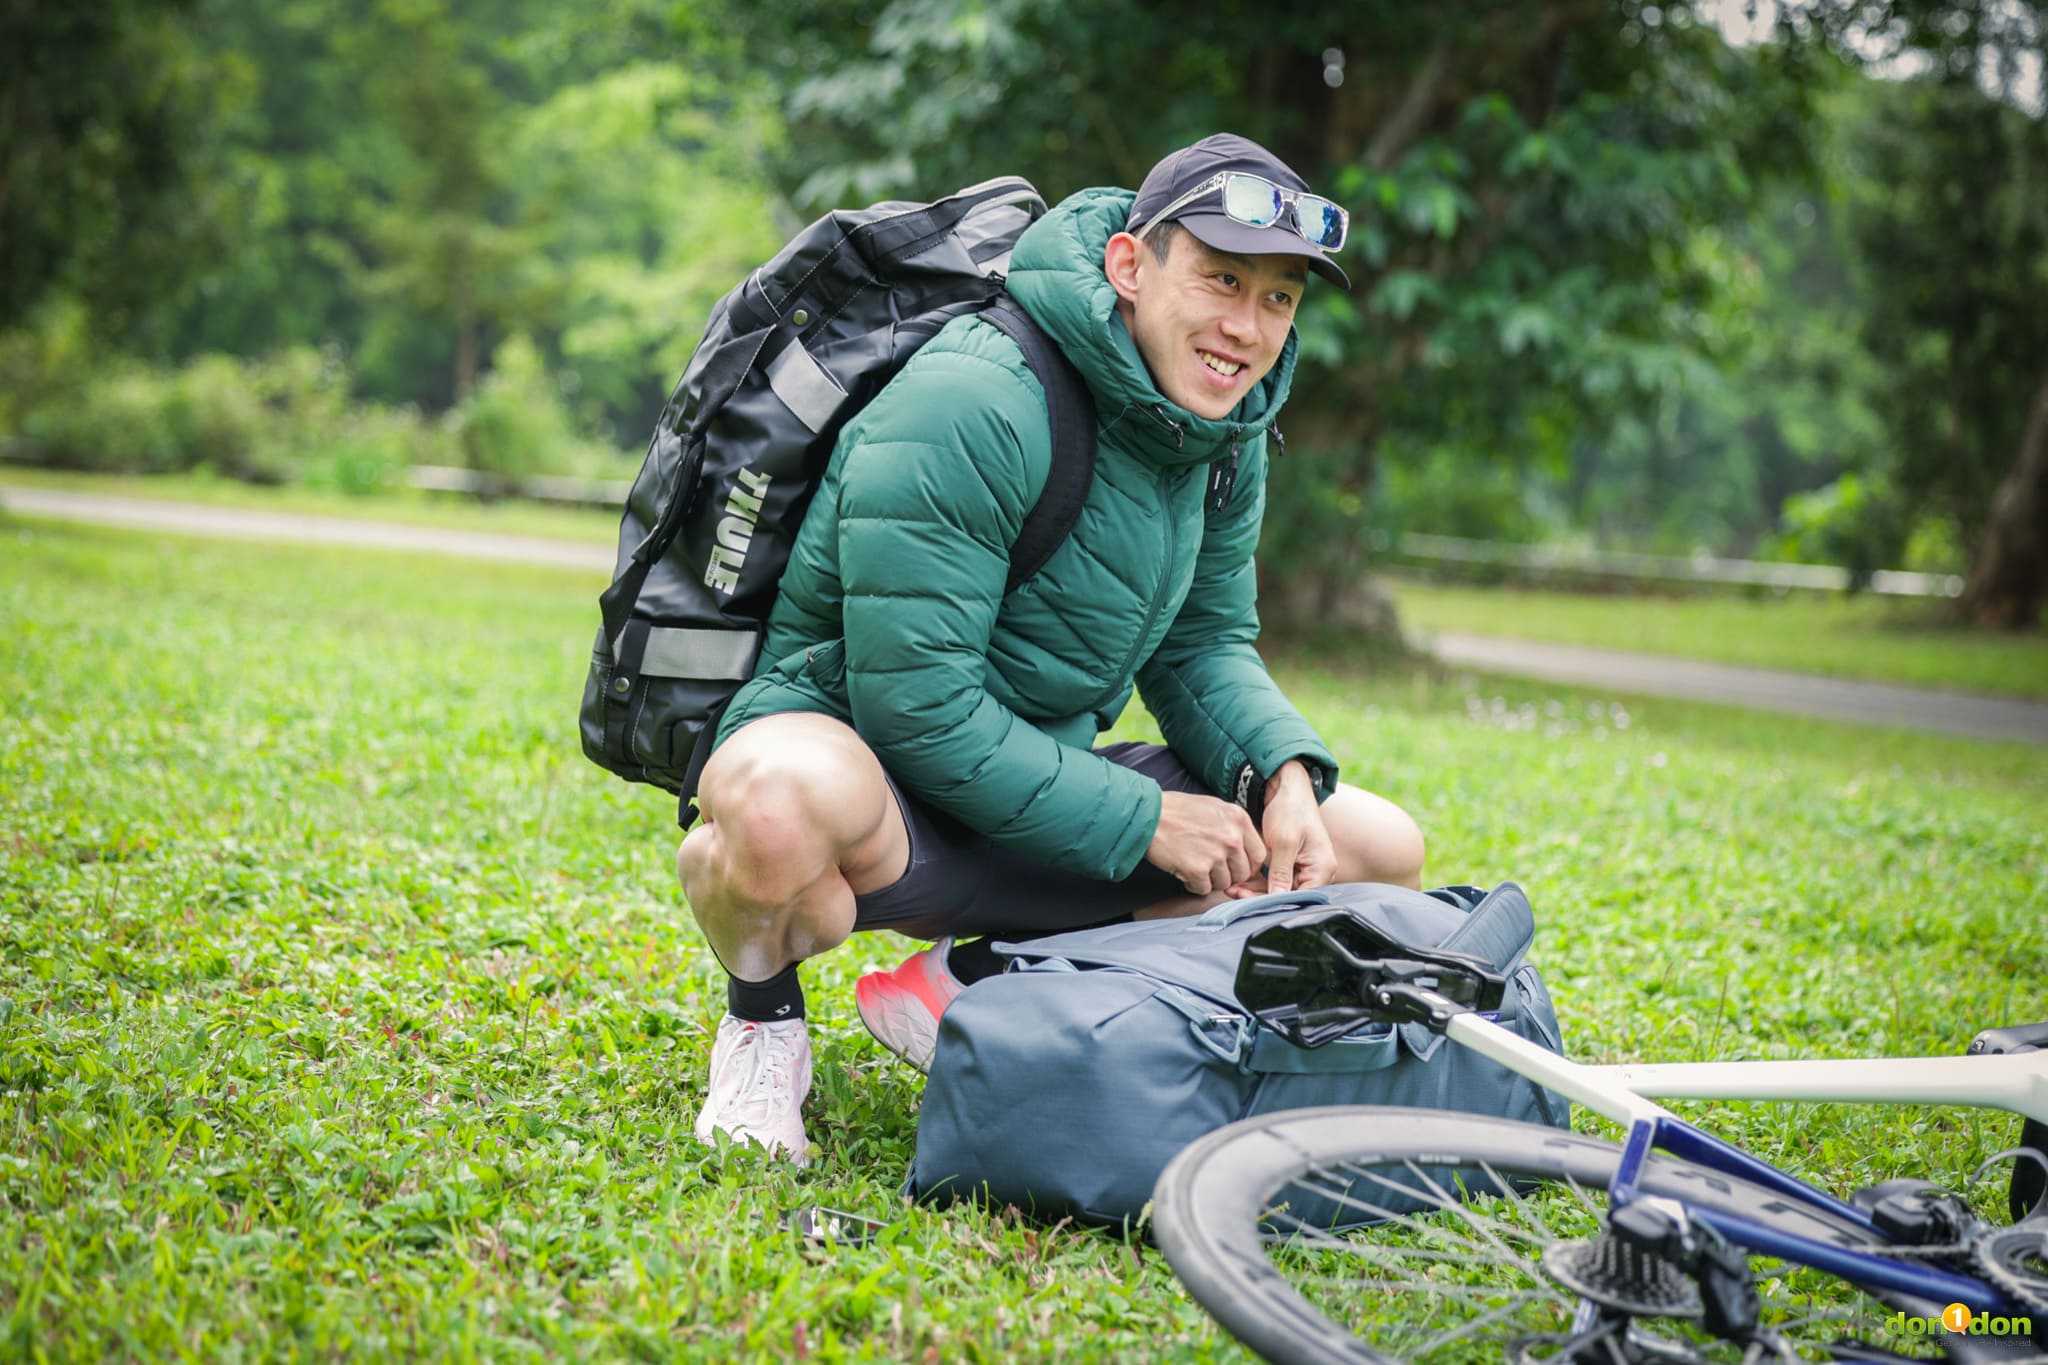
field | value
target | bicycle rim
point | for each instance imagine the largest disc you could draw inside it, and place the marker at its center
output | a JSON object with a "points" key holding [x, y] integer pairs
{"points": [[1453, 1268]]}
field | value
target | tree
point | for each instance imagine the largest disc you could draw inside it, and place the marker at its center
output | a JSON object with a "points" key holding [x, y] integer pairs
{"points": [[1950, 216], [104, 111], [1525, 181]]}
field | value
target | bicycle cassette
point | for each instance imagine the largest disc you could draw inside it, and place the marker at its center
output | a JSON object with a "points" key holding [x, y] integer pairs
{"points": [[2016, 1260]]}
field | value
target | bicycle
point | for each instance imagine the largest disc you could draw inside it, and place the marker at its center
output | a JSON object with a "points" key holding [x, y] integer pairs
{"points": [[1486, 1239]]}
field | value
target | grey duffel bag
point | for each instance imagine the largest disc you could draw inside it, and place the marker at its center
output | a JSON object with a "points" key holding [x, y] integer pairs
{"points": [[1065, 1085]]}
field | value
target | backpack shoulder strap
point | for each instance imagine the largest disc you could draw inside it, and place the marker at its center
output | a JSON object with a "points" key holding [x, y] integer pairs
{"points": [[1070, 408]]}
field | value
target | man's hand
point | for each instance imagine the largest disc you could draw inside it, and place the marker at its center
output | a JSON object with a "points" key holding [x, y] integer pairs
{"points": [[1206, 843], [1298, 844]]}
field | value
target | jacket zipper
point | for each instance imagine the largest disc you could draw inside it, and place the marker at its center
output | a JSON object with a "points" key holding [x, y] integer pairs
{"points": [[1123, 673]]}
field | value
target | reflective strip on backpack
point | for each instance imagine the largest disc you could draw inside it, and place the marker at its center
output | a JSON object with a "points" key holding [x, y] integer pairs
{"points": [[711, 655], [805, 387]]}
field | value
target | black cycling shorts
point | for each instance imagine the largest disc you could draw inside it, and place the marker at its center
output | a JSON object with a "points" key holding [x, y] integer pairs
{"points": [[960, 883]]}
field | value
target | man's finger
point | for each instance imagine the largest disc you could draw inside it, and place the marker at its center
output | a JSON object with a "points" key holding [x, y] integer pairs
{"points": [[1280, 870], [1240, 867]]}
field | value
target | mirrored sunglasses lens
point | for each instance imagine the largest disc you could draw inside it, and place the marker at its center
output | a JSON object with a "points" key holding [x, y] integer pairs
{"points": [[1251, 200], [1322, 222]]}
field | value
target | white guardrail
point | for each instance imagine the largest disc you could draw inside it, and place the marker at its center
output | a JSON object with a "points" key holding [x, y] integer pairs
{"points": [[1699, 567]]}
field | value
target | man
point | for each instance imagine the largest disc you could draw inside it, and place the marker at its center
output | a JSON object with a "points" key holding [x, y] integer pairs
{"points": [[914, 751]]}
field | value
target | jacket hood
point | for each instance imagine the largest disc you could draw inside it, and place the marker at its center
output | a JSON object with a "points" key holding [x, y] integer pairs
{"points": [[1056, 275]]}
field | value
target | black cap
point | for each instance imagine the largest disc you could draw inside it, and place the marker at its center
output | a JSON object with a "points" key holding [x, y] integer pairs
{"points": [[1189, 167]]}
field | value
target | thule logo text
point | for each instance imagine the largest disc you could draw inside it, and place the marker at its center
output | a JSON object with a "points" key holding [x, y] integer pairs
{"points": [[736, 532]]}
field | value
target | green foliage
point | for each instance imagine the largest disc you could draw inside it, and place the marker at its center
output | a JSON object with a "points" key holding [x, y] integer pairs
{"points": [[284, 416], [117, 421], [346, 1010], [1859, 522], [414, 183], [105, 150], [44, 364], [1661, 282], [1949, 189], [512, 425], [1441, 490], [644, 199], [1534, 192]]}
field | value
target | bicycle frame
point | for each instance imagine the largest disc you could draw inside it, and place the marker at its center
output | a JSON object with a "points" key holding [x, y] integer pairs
{"points": [[1626, 1095]]}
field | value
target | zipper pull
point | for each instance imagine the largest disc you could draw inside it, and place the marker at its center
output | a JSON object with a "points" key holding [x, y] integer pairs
{"points": [[1179, 436], [1223, 479], [1279, 441]]}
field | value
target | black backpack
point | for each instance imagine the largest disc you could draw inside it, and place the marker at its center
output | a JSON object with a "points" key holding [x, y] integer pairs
{"points": [[801, 344]]}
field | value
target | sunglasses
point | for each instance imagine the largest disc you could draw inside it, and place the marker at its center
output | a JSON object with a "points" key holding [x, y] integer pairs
{"points": [[1258, 202]]}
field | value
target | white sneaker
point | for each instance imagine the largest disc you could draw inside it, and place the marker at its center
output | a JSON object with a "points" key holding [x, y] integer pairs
{"points": [[760, 1074]]}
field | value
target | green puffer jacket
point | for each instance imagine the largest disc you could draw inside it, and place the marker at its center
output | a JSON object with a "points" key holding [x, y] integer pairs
{"points": [[892, 616]]}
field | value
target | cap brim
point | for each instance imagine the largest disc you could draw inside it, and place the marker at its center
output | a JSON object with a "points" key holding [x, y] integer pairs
{"points": [[1224, 233]]}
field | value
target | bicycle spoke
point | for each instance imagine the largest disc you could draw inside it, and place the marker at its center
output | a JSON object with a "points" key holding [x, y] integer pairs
{"points": [[1499, 1314], [1461, 1218]]}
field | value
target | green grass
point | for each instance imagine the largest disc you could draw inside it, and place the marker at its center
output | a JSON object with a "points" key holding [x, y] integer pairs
{"points": [[1877, 639], [347, 1012]]}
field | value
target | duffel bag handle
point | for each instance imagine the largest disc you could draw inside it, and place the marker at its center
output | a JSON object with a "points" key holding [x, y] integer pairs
{"points": [[1230, 912]]}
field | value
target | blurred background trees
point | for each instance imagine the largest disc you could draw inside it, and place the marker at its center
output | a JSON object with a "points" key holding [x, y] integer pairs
{"points": [[1620, 279]]}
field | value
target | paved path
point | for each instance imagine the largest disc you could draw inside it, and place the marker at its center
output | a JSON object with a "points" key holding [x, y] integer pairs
{"points": [[244, 523], [1953, 713], [1657, 675]]}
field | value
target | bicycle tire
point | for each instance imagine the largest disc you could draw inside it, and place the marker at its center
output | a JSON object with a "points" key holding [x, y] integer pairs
{"points": [[1214, 1211]]}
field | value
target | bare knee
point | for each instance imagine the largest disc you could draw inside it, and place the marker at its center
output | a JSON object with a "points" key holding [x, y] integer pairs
{"points": [[795, 825], [1375, 840], [762, 841]]}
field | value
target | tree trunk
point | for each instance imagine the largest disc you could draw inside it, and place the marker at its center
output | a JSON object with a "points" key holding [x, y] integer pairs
{"points": [[2008, 580], [462, 304]]}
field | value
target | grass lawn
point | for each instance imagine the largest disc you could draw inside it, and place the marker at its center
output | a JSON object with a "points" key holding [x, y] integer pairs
{"points": [[1893, 640], [347, 1012]]}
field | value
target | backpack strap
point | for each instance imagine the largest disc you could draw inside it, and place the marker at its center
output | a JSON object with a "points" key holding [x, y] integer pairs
{"points": [[1070, 407]]}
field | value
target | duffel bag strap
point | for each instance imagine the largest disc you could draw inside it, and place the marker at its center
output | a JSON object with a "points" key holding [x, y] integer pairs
{"points": [[1499, 930]]}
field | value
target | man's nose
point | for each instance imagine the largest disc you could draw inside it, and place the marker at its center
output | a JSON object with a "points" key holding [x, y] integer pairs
{"points": [[1241, 319]]}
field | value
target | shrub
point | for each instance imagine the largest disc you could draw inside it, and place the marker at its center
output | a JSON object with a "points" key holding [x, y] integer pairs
{"points": [[370, 448], [513, 424], [1859, 522], [119, 422], [216, 418], [47, 363], [1447, 491]]}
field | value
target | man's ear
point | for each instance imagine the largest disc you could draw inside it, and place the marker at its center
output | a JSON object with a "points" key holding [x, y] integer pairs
{"points": [[1120, 263]]}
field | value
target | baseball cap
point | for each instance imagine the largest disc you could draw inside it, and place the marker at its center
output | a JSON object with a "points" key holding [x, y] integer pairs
{"points": [[1184, 172]]}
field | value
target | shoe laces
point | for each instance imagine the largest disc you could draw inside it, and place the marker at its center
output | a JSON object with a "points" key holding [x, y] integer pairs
{"points": [[766, 1060]]}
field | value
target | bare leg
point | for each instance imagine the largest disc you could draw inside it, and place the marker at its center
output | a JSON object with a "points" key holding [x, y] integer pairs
{"points": [[798, 820], [1375, 840]]}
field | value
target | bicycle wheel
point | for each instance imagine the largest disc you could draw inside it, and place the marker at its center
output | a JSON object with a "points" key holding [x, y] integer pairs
{"points": [[1241, 1216]]}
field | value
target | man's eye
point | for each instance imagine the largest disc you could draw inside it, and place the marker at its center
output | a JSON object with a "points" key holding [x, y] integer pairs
{"points": [[1228, 281]]}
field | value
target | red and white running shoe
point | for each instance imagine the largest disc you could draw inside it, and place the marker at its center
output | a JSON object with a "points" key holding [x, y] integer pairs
{"points": [[902, 1007]]}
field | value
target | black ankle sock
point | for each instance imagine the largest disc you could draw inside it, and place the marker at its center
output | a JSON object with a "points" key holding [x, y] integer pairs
{"points": [[779, 997], [974, 960]]}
